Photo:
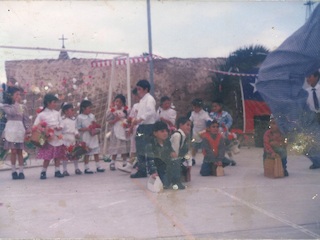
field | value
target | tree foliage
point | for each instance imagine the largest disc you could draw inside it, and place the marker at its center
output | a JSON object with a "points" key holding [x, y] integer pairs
{"points": [[227, 87]]}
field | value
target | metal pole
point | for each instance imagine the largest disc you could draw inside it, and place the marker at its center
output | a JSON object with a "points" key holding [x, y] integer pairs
{"points": [[128, 83], [150, 48]]}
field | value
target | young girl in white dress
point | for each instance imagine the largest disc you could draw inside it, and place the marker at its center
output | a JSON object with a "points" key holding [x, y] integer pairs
{"points": [[53, 148], [84, 120], [119, 140], [70, 135], [18, 124]]}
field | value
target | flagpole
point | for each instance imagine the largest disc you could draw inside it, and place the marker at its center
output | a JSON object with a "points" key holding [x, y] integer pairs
{"points": [[150, 48], [243, 106]]}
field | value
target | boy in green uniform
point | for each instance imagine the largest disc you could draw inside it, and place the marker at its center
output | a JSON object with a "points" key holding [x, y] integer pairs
{"points": [[162, 159]]}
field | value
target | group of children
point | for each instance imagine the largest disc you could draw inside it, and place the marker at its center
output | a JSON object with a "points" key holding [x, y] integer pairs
{"points": [[66, 131], [167, 152]]}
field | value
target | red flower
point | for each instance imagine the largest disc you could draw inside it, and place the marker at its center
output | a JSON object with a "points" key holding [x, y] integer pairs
{"points": [[39, 110], [43, 124], [112, 110], [232, 136], [125, 108], [70, 148], [94, 125]]}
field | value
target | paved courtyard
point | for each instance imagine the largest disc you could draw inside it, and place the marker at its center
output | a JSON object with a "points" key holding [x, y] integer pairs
{"points": [[242, 204]]}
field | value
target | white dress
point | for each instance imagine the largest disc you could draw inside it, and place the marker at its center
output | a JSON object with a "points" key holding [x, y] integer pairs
{"points": [[119, 141], [84, 121], [69, 131]]}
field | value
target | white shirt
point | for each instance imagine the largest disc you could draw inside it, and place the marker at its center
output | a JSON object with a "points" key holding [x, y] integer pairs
{"points": [[69, 131], [134, 111], [147, 109], [175, 143], [53, 120], [199, 123], [169, 114], [310, 101], [175, 140]]}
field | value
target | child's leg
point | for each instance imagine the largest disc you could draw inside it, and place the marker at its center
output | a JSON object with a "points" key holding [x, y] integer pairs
{"points": [[21, 163], [57, 172], [194, 149], [97, 160], [86, 164], [124, 159], [13, 160], [113, 159], [65, 167], [206, 169], [133, 157], [76, 167], [284, 165], [45, 165], [113, 162], [20, 160]]}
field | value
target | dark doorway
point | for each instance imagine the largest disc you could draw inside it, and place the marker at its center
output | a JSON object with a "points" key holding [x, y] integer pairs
{"points": [[261, 125]]}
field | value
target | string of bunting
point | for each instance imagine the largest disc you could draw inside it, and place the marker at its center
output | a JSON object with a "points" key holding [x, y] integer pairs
{"points": [[123, 61], [233, 74]]}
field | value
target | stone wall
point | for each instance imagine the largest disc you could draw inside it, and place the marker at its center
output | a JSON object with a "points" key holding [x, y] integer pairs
{"points": [[75, 79]]}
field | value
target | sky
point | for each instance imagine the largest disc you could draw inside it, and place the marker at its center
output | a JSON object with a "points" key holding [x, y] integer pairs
{"points": [[184, 29]]}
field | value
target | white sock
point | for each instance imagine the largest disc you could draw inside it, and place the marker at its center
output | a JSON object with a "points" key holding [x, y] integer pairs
{"points": [[13, 167], [76, 164], [43, 169], [21, 169], [57, 169], [98, 164], [86, 166], [64, 164]]}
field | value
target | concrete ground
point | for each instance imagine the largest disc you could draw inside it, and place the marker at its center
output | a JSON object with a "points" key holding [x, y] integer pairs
{"points": [[243, 204]]}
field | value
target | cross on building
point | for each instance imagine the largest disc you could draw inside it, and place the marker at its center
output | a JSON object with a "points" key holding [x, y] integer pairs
{"points": [[63, 54], [63, 40]]}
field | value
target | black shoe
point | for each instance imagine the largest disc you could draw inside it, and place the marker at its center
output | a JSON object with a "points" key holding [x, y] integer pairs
{"points": [[139, 175], [43, 175], [193, 162], [88, 171], [180, 186], [313, 167], [285, 173], [58, 174], [99, 169], [21, 175], [233, 163], [15, 176]]}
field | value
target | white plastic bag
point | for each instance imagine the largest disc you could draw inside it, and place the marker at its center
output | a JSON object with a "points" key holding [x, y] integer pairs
{"points": [[154, 184]]}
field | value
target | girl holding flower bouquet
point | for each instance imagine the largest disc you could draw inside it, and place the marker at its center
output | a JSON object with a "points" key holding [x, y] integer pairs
{"points": [[89, 129], [119, 139], [49, 122], [132, 131], [70, 134], [18, 124]]}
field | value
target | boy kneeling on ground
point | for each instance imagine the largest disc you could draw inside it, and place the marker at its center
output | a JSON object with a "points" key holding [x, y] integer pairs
{"points": [[162, 159], [214, 149]]}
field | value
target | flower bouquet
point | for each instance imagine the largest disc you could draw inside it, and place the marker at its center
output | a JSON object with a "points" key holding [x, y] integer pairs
{"points": [[126, 123], [94, 128], [40, 134], [76, 151]]}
